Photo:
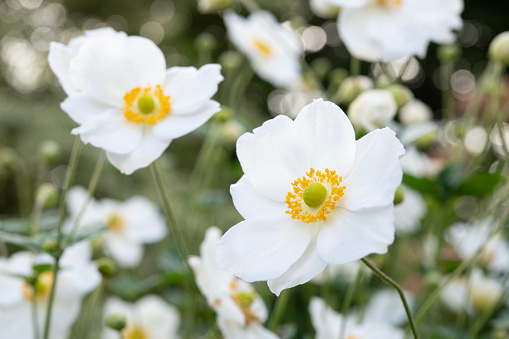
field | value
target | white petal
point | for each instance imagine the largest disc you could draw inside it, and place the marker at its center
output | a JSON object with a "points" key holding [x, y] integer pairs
{"points": [[111, 132], [328, 135], [149, 149], [376, 173], [82, 108], [158, 317], [233, 330], [125, 253], [348, 3], [302, 271], [348, 236], [176, 125], [272, 157], [189, 88], [263, 248], [144, 223]]}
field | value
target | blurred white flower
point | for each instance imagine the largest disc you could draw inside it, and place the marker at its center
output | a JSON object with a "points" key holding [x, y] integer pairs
{"points": [[125, 100], [324, 10], [408, 214], [274, 50], [375, 30], [347, 272], [415, 112], [311, 196], [467, 239], [240, 310], [130, 224], [372, 109], [388, 299], [149, 317], [77, 277], [425, 133], [328, 324]]}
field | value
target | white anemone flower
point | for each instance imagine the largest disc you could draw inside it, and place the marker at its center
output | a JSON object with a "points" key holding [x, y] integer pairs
{"points": [[388, 299], [408, 214], [274, 51], [372, 109], [375, 30], [125, 100], [77, 277], [311, 195], [150, 317], [415, 112], [130, 224], [240, 310], [347, 273], [328, 324]]}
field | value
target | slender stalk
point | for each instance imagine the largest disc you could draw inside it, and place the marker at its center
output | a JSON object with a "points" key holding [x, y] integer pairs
{"points": [[23, 185], [394, 284], [355, 66], [278, 310], [348, 301], [35, 318], [89, 311], [399, 79], [49, 310], [91, 189]]}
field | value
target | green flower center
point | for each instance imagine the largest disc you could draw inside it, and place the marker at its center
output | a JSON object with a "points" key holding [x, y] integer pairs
{"points": [[244, 299], [146, 104], [314, 194]]}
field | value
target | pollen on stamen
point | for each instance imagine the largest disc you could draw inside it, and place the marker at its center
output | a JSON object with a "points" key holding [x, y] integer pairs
{"points": [[295, 200], [137, 112]]}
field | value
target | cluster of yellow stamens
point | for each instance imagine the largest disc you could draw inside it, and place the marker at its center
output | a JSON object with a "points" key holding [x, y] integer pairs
{"points": [[389, 3], [135, 332], [115, 223], [146, 105], [262, 47], [41, 288], [244, 299], [314, 195]]}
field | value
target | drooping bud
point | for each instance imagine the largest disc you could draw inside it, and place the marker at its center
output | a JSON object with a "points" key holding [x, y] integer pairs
{"points": [[399, 196], [116, 321], [402, 94], [230, 60], [8, 158], [499, 49], [205, 42], [47, 195], [51, 247], [447, 53], [352, 87], [106, 267], [50, 151]]}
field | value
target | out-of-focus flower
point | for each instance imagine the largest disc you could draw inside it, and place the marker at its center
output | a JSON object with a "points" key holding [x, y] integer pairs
{"points": [[408, 214], [150, 317], [77, 277], [311, 195], [418, 164], [415, 112], [467, 239], [324, 10], [421, 135], [210, 6], [388, 299], [375, 30], [500, 141], [125, 100], [240, 310], [328, 324], [129, 224], [402, 94], [274, 50], [351, 87], [347, 272], [499, 49], [372, 109]]}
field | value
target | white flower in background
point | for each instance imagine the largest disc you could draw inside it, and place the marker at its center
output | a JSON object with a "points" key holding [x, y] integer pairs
{"points": [[240, 310], [77, 277], [130, 224], [467, 239], [418, 164], [311, 195], [415, 112], [274, 50], [424, 134], [372, 109], [290, 102], [148, 318], [347, 272], [328, 324], [125, 100], [388, 299], [375, 30], [324, 10], [408, 214]]}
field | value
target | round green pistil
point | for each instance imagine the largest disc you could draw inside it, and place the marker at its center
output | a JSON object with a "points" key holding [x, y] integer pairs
{"points": [[146, 104], [314, 194]]}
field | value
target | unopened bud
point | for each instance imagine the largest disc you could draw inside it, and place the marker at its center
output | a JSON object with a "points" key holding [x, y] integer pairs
{"points": [[499, 49], [321, 66], [8, 158], [338, 75], [433, 279], [352, 87], [399, 196], [210, 6], [232, 130], [47, 195], [402, 94], [205, 42], [50, 151], [415, 112], [447, 53], [106, 267], [116, 321], [51, 247], [223, 115]]}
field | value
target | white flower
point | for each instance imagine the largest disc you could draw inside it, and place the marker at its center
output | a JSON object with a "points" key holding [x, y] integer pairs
{"points": [[274, 51], [375, 30], [77, 277], [372, 109], [467, 239], [240, 310], [130, 224], [415, 112], [408, 214], [388, 299], [125, 100], [328, 324], [425, 133], [150, 317], [347, 272], [311, 195], [418, 164], [324, 10]]}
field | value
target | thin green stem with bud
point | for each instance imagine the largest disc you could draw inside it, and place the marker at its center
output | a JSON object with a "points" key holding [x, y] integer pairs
{"points": [[394, 284]]}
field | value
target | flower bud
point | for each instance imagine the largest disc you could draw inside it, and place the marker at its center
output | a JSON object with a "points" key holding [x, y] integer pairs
{"points": [[399, 196], [373, 109], [415, 112], [47, 195], [50, 151], [106, 267], [402, 94], [321, 66], [8, 158], [230, 60], [116, 321], [351, 87], [232, 130], [499, 49], [338, 75], [447, 53], [51, 247], [210, 6], [205, 42]]}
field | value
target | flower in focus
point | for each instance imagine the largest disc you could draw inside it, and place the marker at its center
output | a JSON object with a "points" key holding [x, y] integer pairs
{"points": [[150, 317], [375, 30], [77, 277], [274, 51], [130, 224], [311, 195], [372, 109], [125, 100], [328, 324], [240, 310]]}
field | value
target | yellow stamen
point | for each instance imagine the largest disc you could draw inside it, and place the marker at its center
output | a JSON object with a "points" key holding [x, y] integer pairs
{"points": [[146, 105], [135, 332], [298, 207], [42, 287], [262, 47], [115, 223], [389, 3]]}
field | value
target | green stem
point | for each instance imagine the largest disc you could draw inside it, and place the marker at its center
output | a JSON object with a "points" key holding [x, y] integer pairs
{"points": [[355, 66], [89, 311], [22, 179], [278, 310], [35, 318], [49, 309], [250, 5], [348, 301], [91, 189], [391, 282]]}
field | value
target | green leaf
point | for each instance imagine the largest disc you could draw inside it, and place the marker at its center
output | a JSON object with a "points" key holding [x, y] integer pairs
{"points": [[480, 184], [423, 185], [43, 268], [21, 240], [87, 232]]}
